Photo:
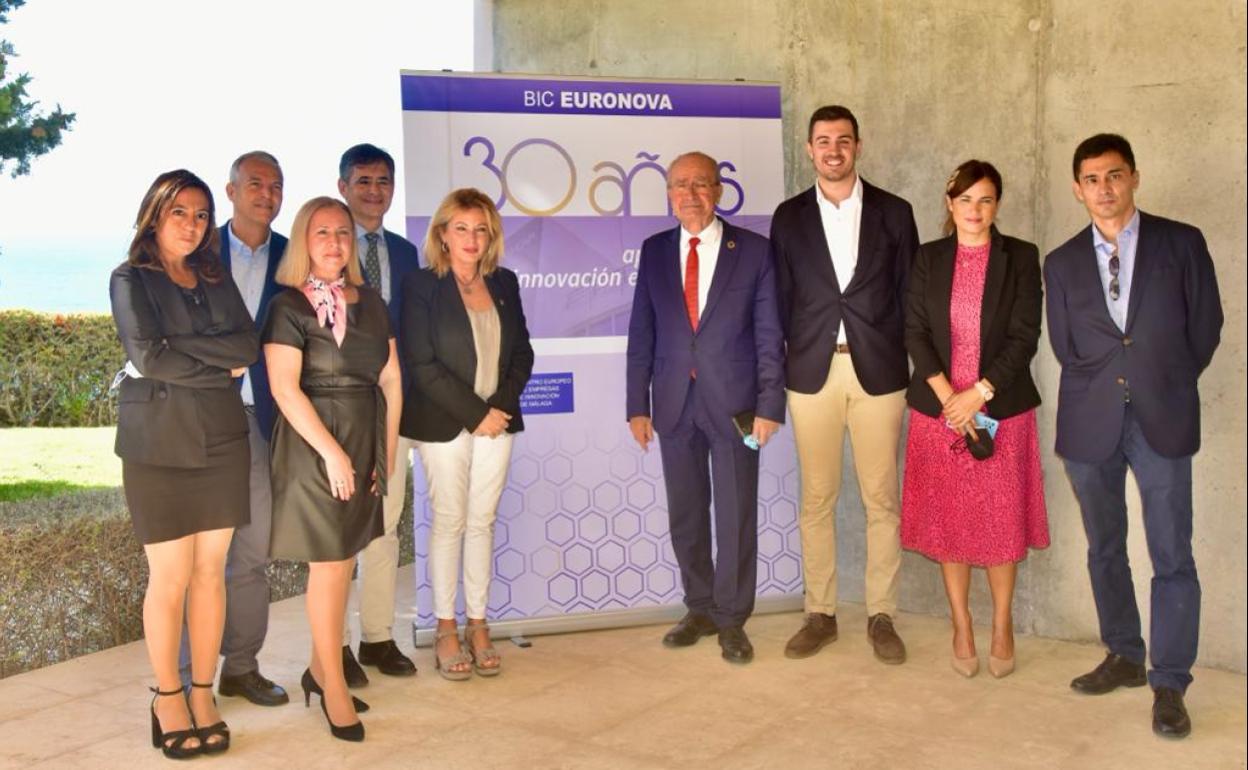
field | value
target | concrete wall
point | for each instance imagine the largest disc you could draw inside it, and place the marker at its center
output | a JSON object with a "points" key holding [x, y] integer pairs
{"points": [[1018, 83]]}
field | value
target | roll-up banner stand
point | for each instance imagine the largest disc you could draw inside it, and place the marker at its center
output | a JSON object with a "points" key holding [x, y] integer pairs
{"points": [[577, 168]]}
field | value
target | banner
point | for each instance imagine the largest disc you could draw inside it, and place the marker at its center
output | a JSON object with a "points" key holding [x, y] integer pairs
{"points": [[577, 168]]}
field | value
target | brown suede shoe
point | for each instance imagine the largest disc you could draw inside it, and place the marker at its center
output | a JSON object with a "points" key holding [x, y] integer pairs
{"points": [[884, 640], [818, 630]]}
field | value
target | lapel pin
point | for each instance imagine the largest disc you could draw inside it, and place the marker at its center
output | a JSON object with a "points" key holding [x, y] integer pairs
{"points": [[732, 244]]}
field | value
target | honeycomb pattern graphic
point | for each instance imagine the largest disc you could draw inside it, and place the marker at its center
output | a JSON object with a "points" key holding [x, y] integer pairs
{"points": [[582, 523]]}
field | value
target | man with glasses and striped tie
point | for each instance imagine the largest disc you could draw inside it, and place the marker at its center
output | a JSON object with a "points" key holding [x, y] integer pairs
{"points": [[1134, 318], [366, 183]]}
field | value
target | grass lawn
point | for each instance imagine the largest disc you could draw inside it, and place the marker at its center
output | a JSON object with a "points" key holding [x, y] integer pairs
{"points": [[45, 462]]}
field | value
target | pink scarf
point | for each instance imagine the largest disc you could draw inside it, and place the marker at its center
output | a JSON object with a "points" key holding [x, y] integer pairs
{"points": [[330, 305]]}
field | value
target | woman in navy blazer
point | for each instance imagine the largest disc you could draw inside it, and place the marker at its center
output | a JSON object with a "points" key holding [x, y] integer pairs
{"points": [[182, 438], [467, 350], [972, 327]]}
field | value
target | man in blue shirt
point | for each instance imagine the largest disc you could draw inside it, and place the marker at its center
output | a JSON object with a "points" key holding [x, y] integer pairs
{"points": [[250, 251], [1134, 318], [366, 183]]}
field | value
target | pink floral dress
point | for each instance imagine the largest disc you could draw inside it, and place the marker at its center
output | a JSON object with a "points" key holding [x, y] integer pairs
{"points": [[955, 508]]}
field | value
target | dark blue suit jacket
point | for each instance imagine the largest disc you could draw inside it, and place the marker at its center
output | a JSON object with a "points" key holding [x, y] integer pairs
{"points": [[404, 259], [737, 350], [1174, 323], [266, 409]]}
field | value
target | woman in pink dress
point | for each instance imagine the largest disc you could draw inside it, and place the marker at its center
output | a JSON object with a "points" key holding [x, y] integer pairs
{"points": [[972, 326]]}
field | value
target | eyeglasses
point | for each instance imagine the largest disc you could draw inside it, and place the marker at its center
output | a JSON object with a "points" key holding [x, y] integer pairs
{"points": [[1113, 274]]}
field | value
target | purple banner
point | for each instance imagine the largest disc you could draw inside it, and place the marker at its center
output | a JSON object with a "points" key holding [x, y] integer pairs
{"points": [[577, 273], [449, 93]]}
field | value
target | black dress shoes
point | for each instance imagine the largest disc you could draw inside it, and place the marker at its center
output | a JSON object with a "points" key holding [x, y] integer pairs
{"points": [[1114, 672], [351, 670], [1170, 718], [735, 646], [254, 687], [387, 658], [692, 627]]}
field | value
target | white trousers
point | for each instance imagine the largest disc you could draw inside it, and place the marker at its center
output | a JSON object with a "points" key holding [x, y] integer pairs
{"points": [[379, 561], [466, 477]]}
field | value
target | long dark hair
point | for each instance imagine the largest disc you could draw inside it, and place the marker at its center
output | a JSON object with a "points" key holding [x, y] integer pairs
{"points": [[205, 260], [965, 177]]}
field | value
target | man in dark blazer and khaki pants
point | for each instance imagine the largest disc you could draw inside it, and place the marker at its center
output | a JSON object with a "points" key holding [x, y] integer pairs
{"points": [[843, 252], [1134, 318]]}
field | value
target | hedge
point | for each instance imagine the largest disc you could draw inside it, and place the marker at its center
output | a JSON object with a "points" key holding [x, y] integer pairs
{"points": [[57, 369], [73, 577]]}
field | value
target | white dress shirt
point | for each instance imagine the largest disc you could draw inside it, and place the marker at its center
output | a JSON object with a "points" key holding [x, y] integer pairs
{"points": [[383, 257], [248, 267], [708, 256], [840, 228]]}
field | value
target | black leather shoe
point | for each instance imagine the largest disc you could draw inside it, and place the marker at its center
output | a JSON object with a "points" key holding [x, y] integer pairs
{"points": [[387, 658], [692, 627], [1170, 718], [1113, 672], [735, 646], [351, 670], [255, 688]]}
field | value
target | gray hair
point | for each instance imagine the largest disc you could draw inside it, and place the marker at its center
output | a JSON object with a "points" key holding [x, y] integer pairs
{"points": [[259, 155], [714, 164]]}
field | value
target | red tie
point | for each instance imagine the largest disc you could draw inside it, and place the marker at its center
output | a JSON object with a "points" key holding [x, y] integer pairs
{"points": [[691, 283]]}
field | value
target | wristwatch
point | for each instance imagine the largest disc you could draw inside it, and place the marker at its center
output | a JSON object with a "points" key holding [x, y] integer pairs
{"points": [[985, 392]]}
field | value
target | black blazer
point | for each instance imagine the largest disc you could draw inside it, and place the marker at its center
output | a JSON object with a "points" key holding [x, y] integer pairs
{"points": [[872, 306], [186, 379], [437, 344], [1009, 324], [261, 393], [1174, 324]]}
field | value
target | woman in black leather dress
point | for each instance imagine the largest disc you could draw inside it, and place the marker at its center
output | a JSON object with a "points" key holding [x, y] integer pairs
{"points": [[335, 377]]}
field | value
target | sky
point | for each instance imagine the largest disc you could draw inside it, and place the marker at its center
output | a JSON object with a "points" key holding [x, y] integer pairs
{"points": [[158, 85]]}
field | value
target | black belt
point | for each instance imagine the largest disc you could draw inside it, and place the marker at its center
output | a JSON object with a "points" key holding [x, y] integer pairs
{"points": [[379, 429]]}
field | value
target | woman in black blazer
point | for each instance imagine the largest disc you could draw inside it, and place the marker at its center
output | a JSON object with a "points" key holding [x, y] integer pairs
{"points": [[182, 438], [972, 326], [467, 348]]}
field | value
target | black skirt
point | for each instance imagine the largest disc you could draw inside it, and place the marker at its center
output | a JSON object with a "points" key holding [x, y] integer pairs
{"points": [[169, 503]]}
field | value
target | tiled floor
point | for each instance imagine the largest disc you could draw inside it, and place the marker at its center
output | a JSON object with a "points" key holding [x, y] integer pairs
{"points": [[617, 699]]}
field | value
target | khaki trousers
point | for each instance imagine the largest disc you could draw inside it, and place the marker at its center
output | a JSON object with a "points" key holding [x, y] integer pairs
{"points": [[874, 422], [379, 562]]}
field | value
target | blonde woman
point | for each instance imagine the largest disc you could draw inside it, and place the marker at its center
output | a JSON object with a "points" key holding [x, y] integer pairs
{"points": [[335, 377], [467, 349]]}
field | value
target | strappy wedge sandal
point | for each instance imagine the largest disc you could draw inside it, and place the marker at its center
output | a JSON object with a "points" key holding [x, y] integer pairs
{"points": [[485, 661], [218, 730], [444, 666], [173, 743]]}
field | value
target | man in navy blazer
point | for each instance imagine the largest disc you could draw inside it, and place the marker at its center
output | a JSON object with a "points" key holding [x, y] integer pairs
{"points": [[1134, 318], [705, 346], [366, 183], [250, 252], [843, 253]]}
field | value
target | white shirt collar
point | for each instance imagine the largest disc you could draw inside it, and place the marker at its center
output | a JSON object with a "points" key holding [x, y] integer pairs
{"points": [[713, 232], [852, 202], [238, 247]]}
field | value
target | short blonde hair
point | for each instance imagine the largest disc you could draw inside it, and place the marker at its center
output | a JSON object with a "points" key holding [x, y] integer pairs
{"points": [[463, 199], [296, 264]]}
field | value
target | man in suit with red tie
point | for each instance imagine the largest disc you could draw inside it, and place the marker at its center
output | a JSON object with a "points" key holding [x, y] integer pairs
{"points": [[704, 347], [843, 252], [1134, 318]]}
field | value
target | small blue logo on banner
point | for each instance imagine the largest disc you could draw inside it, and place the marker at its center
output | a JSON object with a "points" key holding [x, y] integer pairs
{"points": [[548, 394]]}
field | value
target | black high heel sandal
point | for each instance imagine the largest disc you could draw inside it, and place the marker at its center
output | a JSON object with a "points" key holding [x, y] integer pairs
{"points": [[220, 729], [173, 743], [310, 687], [353, 732]]}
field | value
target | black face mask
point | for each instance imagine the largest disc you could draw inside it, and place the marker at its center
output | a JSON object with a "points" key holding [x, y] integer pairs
{"points": [[980, 447]]}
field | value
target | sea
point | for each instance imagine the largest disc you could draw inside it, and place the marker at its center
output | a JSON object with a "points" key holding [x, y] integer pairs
{"points": [[61, 278]]}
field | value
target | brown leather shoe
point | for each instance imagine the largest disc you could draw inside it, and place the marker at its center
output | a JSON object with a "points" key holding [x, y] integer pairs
{"points": [[884, 640], [818, 630]]}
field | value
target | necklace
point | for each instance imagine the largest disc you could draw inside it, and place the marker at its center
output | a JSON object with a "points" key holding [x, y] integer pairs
{"points": [[466, 286]]}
